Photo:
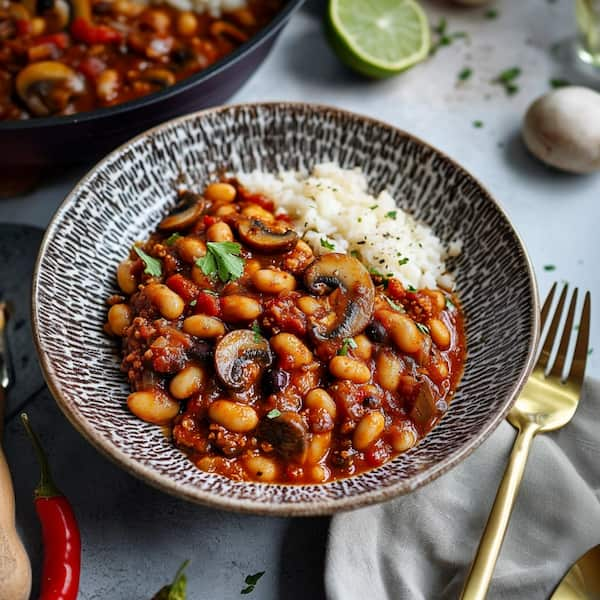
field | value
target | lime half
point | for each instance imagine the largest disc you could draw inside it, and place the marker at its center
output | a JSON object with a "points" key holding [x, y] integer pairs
{"points": [[378, 38]]}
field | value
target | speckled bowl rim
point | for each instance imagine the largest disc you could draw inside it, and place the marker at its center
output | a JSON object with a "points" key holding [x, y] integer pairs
{"points": [[325, 507]]}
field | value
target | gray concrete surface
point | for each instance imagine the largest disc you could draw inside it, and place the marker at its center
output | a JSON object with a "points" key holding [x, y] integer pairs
{"points": [[134, 537]]}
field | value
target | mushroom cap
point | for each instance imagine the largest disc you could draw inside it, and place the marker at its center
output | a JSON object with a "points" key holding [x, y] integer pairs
{"points": [[267, 238], [287, 433]]}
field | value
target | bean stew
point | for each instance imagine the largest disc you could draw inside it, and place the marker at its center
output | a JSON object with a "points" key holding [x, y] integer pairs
{"points": [[59, 57], [270, 363]]}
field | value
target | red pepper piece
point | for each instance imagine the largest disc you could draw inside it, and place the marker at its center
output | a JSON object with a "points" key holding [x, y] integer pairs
{"points": [[60, 533], [395, 289], [60, 40], [84, 31], [23, 26], [181, 285], [209, 220], [208, 304]]}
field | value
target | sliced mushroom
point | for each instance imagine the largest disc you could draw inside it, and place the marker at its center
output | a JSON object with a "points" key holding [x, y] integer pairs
{"points": [[423, 409], [267, 238], [186, 212], [56, 12], [287, 433], [162, 77], [355, 303], [48, 86], [240, 357]]}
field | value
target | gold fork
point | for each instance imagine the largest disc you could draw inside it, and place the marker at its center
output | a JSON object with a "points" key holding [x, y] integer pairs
{"points": [[548, 402]]}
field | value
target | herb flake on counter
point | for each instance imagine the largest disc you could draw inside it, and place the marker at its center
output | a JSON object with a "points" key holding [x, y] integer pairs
{"points": [[152, 266], [507, 80], [549, 267], [491, 13], [347, 343], [222, 259], [177, 589], [252, 580], [172, 239], [445, 38], [272, 414], [478, 124], [325, 243], [465, 74], [558, 83]]}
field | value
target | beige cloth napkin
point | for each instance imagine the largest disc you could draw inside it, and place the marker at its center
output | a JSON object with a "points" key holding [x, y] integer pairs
{"points": [[420, 546]]}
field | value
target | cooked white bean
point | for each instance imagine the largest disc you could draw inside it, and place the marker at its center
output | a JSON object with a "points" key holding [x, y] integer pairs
{"points": [[345, 367], [319, 398], [119, 318], [261, 468], [368, 430], [153, 406], [439, 333], [233, 415], [291, 350], [170, 304], [220, 192], [388, 369], [203, 326], [403, 439], [237, 308], [364, 347], [125, 277], [317, 447], [308, 305], [190, 249], [273, 281], [219, 232], [187, 382], [254, 210]]}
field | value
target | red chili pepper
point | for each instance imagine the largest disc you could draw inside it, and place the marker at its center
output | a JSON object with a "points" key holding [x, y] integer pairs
{"points": [[60, 532], [187, 289], [84, 31], [209, 220]]}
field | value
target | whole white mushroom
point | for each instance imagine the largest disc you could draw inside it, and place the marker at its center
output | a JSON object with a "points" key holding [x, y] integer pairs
{"points": [[562, 129]]}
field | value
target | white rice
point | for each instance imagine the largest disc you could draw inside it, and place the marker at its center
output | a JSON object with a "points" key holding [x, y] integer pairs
{"points": [[332, 206], [214, 7]]}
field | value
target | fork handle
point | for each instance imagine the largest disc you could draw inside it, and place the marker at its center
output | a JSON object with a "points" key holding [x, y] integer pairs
{"points": [[482, 569]]}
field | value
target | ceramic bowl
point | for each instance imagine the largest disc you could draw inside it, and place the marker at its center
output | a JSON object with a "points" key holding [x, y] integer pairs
{"points": [[124, 197], [34, 143]]}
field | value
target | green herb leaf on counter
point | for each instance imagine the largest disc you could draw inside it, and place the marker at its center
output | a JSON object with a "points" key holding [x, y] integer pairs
{"points": [[252, 580], [444, 38], [272, 414], [172, 239], [506, 79], [327, 244], [222, 259], [465, 74], [348, 343], [549, 267], [558, 83], [177, 589], [440, 28], [491, 13], [478, 124], [391, 214], [422, 328], [152, 266]]}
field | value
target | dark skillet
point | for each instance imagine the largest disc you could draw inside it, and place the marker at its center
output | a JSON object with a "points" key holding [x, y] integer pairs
{"points": [[85, 136]]}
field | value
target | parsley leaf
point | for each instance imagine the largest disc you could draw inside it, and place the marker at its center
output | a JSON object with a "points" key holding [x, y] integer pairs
{"points": [[222, 259], [558, 83], [411, 288], [327, 244], [403, 261], [272, 414], [257, 332], [348, 343], [355, 253], [152, 266], [449, 304], [492, 13], [177, 589], [253, 579], [391, 215], [549, 267], [465, 74], [172, 239], [422, 328], [506, 78], [478, 124], [374, 206], [193, 302], [393, 304]]}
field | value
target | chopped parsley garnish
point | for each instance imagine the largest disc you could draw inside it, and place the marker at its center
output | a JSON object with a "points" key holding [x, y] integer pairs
{"points": [[411, 288], [193, 302], [422, 328], [444, 38], [491, 13], [222, 259], [374, 206], [391, 215], [252, 580], [210, 292], [549, 267], [257, 332], [558, 83], [273, 414], [172, 239], [152, 265], [507, 80], [355, 253], [327, 244], [393, 304], [449, 304], [359, 219], [177, 589], [478, 124], [465, 74], [348, 343], [403, 261]]}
